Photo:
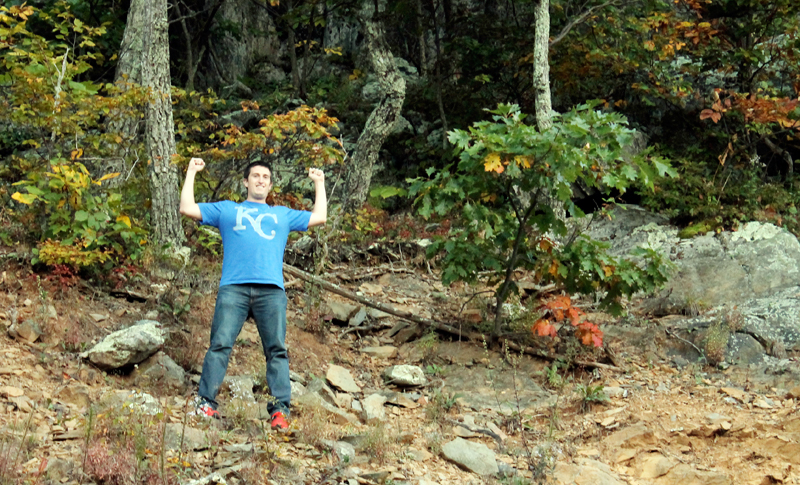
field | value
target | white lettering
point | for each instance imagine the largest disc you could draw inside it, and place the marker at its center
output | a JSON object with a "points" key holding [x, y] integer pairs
{"points": [[241, 212]]}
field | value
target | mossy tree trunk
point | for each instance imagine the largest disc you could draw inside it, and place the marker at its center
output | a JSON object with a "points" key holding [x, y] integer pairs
{"points": [[383, 118]]}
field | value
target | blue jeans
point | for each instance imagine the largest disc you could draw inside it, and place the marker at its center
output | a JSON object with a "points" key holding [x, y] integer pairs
{"points": [[267, 305]]}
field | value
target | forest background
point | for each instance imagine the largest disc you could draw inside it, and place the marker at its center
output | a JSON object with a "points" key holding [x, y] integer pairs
{"points": [[481, 125]]}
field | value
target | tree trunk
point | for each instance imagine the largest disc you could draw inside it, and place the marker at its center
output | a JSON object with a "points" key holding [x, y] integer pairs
{"points": [[165, 222], [541, 65], [129, 71], [383, 117]]}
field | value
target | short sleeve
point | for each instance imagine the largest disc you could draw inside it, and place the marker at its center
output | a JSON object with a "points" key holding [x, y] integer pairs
{"points": [[298, 220], [210, 213]]}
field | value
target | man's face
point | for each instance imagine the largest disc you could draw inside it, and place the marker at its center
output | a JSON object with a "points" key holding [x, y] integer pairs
{"points": [[258, 184]]}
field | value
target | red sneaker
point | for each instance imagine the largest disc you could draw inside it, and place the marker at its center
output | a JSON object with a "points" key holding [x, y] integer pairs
{"points": [[279, 421], [205, 410]]}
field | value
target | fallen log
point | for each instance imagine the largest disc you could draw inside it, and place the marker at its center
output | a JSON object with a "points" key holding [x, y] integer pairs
{"points": [[298, 273]]}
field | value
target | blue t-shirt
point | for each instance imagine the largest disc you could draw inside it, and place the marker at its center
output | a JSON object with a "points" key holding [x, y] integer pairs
{"points": [[253, 239]]}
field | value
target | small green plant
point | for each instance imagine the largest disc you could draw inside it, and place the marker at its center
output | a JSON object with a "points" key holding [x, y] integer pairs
{"points": [[715, 343], [433, 370], [378, 443], [553, 379], [440, 405], [590, 394]]}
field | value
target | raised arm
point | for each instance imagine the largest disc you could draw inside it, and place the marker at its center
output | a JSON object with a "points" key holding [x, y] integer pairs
{"points": [[320, 213], [189, 207]]}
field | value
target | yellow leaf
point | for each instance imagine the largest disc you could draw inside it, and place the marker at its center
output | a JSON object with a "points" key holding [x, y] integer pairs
{"points": [[523, 161], [108, 176], [26, 199], [125, 220], [76, 154], [492, 163]]}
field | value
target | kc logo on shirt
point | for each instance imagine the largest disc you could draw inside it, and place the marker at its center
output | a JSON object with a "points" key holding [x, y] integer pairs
{"points": [[242, 213]]}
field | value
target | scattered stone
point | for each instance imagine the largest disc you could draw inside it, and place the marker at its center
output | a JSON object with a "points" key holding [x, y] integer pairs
{"points": [[97, 317], [399, 399], [294, 376], [653, 465], [683, 474], [315, 403], [407, 333], [615, 392], [764, 403], [737, 394], [134, 401], [160, 371], [75, 394], [475, 457], [463, 432], [341, 378], [373, 408], [419, 455], [176, 434], [405, 375], [297, 389], [585, 472], [10, 391], [794, 393], [383, 352], [631, 437], [128, 346], [240, 387], [319, 386], [359, 317], [341, 311], [58, 468], [27, 331], [342, 449]]}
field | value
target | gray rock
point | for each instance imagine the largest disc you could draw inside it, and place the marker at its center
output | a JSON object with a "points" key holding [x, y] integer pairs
{"points": [[342, 449], [340, 378], [475, 457], [298, 389], [128, 346], [58, 469], [269, 73], [160, 371], [405, 375], [240, 387], [373, 408], [294, 376], [756, 261], [315, 404], [358, 318], [318, 386], [131, 401], [341, 311], [176, 434], [27, 331]]}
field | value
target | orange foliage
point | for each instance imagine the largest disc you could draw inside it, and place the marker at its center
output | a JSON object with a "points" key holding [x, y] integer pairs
{"points": [[560, 309]]}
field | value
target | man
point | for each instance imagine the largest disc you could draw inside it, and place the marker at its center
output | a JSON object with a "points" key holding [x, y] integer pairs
{"points": [[254, 237]]}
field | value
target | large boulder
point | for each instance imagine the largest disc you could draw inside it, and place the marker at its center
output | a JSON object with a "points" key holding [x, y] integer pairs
{"points": [[129, 346], [475, 457], [160, 372], [712, 269]]}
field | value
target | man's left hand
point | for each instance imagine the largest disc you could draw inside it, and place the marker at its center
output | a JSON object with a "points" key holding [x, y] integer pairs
{"points": [[316, 175]]}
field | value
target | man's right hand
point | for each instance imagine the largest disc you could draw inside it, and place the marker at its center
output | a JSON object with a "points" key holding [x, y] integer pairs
{"points": [[196, 165]]}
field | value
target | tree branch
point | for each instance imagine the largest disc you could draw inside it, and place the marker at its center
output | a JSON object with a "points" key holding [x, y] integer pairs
{"points": [[581, 18]]}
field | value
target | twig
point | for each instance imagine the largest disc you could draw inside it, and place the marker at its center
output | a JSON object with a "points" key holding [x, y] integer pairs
{"points": [[547, 355], [380, 306], [672, 334]]}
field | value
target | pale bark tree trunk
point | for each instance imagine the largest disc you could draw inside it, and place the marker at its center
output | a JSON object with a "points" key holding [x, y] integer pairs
{"points": [[129, 71], [166, 225], [541, 65], [383, 117]]}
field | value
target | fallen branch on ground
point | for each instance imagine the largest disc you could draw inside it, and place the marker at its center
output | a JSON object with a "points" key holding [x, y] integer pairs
{"points": [[378, 306]]}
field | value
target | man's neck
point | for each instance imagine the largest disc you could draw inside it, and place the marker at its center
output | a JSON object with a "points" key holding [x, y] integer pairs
{"points": [[257, 201]]}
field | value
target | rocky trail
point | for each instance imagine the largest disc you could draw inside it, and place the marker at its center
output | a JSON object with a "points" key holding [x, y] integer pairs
{"points": [[375, 399]]}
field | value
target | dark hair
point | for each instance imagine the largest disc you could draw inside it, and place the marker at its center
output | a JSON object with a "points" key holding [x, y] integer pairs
{"points": [[257, 163]]}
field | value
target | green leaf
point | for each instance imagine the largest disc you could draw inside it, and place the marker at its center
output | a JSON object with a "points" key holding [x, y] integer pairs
{"points": [[81, 216]]}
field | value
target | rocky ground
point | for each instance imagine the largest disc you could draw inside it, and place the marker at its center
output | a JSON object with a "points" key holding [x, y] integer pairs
{"points": [[460, 413]]}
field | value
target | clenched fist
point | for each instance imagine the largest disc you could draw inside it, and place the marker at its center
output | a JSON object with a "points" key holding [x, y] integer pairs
{"points": [[316, 175], [196, 165]]}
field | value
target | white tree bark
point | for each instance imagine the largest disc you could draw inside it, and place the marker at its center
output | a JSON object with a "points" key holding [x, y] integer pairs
{"points": [[541, 65], [165, 219], [383, 117]]}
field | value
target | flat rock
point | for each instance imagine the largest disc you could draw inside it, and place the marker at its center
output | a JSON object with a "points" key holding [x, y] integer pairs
{"points": [[631, 437], [75, 394], [177, 437], [11, 391], [475, 457], [160, 371], [27, 331], [135, 401], [342, 449], [373, 408], [340, 378], [683, 474], [316, 404], [128, 346], [585, 472], [341, 311], [405, 375], [653, 465], [382, 352]]}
